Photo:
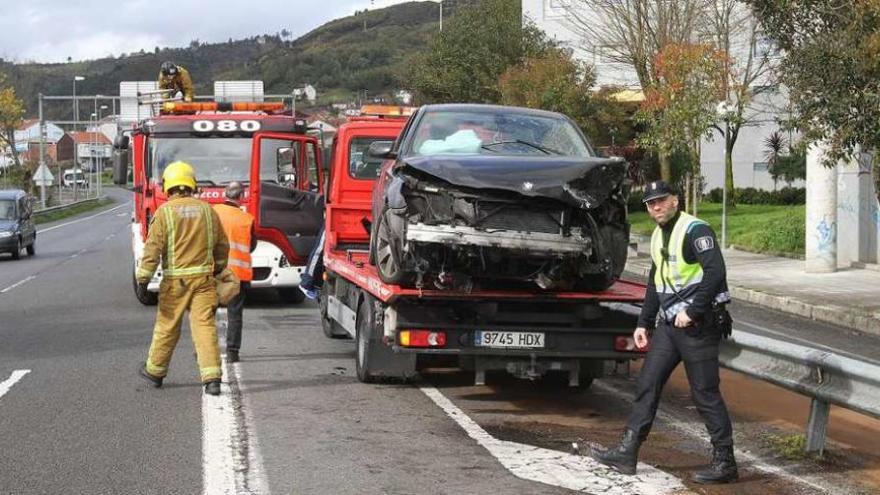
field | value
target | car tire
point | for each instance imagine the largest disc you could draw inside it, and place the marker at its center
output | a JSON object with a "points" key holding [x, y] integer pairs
{"points": [[387, 262], [291, 295], [614, 243], [16, 254], [32, 247], [144, 296], [366, 330]]}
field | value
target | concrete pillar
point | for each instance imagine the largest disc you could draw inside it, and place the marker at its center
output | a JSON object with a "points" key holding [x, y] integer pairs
{"points": [[856, 212], [821, 227]]}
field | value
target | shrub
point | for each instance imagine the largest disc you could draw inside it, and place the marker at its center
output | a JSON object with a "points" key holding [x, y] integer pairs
{"points": [[752, 196]]}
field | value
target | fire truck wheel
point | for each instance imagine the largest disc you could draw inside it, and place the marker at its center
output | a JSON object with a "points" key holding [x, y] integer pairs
{"points": [[293, 296], [364, 341], [144, 296]]}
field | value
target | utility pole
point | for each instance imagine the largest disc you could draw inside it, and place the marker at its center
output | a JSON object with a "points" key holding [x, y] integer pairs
{"points": [[42, 150]]}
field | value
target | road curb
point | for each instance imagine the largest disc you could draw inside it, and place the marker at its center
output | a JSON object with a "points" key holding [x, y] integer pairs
{"points": [[851, 318]]}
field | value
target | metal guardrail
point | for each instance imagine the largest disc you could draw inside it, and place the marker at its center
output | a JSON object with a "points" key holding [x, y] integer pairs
{"points": [[826, 377], [68, 205]]}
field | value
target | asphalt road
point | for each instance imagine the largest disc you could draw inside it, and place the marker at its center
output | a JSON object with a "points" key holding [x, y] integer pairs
{"points": [[294, 418]]}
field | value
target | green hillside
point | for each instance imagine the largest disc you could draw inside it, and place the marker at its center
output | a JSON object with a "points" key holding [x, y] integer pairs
{"points": [[338, 58]]}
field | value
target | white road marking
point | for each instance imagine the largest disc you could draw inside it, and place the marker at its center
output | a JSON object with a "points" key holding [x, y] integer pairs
{"points": [[556, 468], [83, 219], [697, 430], [20, 282], [231, 463], [12, 380]]}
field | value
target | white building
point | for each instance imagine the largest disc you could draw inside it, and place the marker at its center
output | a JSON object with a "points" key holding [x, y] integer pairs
{"points": [[749, 162], [307, 91]]}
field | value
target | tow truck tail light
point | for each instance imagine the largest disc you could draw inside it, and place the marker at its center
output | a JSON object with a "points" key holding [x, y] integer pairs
{"points": [[422, 338], [627, 344]]}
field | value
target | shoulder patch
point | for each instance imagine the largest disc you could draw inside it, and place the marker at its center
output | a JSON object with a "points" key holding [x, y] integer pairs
{"points": [[705, 243]]}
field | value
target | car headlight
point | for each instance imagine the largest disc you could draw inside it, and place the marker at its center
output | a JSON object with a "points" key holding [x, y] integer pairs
{"points": [[4, 235]]}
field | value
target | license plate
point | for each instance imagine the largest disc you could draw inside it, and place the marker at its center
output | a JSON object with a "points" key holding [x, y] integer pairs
{"points": [[520, 340]]}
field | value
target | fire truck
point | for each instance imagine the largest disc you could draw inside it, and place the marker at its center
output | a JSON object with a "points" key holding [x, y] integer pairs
{"points": [[257, 143], [567, 337]]}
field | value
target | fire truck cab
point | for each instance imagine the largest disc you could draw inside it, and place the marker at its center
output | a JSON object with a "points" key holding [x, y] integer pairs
{"points": [[271, 153]]}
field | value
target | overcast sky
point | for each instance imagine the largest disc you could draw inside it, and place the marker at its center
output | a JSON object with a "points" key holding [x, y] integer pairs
{"points": [[52, 30]]}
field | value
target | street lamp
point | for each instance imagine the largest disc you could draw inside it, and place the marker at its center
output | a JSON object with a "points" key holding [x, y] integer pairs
{"points": [[725, 111], [75, 144], [75, 104], [101, 166]]}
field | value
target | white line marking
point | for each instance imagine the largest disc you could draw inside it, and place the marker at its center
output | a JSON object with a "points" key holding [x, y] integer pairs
{"points": [[699, 431], [20, 282], [12, 380], [231, 463], [83, 219], [558, 468]]}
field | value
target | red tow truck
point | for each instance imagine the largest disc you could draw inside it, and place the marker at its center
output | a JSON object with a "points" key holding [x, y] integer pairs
{"points": [[258, 144], [399, 331]]}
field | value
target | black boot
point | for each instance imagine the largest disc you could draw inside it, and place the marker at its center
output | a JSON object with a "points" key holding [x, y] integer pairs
{"points": [[212, 387], [155, 381], [722, 470], [624, 456], [232, 355]]}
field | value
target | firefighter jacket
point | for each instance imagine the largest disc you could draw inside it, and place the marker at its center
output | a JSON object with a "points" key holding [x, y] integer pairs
{"points": [[186, 235], [688, 272], [179, 82], [239, 228]]}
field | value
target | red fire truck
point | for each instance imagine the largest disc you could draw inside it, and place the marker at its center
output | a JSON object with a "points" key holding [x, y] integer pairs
{"points": [[255, 143], [399, 331]]}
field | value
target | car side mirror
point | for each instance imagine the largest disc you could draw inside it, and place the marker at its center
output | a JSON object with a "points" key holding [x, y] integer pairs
{"points": [[381, 149]]}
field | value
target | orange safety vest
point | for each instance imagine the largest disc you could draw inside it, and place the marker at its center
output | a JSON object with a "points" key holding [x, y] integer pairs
{"points": [[237, 224]]}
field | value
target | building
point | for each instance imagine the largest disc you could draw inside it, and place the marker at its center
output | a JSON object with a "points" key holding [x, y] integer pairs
{"points": [[749, 163], [29, 131], [307, 91], [89, 149]]}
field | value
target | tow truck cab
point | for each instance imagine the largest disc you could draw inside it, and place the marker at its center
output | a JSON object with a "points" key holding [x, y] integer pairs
{"points": [[272, 154]]}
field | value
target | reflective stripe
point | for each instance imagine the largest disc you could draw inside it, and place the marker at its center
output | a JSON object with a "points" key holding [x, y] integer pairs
{"points": [[172, 236], [154, 370], [209, 221], [210, 372], [143, 273], [195, 270], [239, 247], [239, 263]]}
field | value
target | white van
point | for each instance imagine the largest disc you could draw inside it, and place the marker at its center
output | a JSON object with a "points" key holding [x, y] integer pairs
{"points": [[74, 175]]}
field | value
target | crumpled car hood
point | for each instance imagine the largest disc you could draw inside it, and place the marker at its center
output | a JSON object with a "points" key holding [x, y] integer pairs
{"points": [[581, 182]]}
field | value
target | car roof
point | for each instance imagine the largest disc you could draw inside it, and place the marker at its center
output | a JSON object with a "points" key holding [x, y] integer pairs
{"points": [[481, 108], [11, 193]]}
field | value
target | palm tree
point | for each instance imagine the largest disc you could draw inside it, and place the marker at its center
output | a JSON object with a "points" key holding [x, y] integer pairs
{"points": [[773, 146]]}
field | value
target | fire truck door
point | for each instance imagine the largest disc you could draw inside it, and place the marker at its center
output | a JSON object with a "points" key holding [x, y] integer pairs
{"points": [[291, 203]]}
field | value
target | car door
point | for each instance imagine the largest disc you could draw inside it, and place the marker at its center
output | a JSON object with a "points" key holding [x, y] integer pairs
{"points": [[290, 209]]}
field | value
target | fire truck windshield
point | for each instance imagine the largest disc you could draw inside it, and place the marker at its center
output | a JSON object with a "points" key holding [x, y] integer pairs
{"points": [[217, 161]]}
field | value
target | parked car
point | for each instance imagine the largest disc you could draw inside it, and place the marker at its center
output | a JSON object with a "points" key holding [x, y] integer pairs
{"points": [[481, 195], [17, 229]]}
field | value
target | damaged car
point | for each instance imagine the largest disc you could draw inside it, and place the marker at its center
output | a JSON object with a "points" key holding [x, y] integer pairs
{"points": [[492, 196]]}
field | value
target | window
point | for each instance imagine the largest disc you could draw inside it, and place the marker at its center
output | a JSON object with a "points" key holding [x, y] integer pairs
{"points": [[360, 164], [311, 169], [760, 167]]}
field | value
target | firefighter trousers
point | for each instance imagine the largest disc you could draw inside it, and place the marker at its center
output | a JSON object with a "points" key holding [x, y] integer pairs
{"points": [[198, 295]]}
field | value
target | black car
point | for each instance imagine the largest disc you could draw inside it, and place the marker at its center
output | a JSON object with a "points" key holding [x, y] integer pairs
{"points": [[17, 229], [483, 195]]}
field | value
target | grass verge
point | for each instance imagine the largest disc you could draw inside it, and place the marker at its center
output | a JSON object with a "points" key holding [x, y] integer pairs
{"points": [[772, 229], [52, 216]]}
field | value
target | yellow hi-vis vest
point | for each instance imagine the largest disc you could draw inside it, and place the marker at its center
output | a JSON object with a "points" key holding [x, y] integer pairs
{"points": [[237, 224], [676, 280]]}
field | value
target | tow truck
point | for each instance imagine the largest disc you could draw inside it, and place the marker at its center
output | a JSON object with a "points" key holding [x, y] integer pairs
{"points": [[257, 143], [570, 337]]}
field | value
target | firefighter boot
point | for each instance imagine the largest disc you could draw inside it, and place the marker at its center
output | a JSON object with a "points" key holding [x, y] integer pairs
{"points": [[232, 355], [624, 456], [212, 387], [155, 381], [722, 470]]}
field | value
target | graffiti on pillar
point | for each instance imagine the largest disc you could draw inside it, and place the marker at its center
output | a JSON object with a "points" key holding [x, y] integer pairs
{"points": [[826, 234]]}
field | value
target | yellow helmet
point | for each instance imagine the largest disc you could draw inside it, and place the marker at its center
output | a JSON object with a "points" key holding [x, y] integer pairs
{"points": [[178, 174]]}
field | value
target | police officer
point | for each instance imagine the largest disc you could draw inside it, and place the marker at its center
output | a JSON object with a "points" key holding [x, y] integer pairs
{"points": [[186, 236], [176, 79], [684, 306], [239, 227]]}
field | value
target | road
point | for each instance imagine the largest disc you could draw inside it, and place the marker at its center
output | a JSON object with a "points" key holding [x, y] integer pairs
{"points": [[74, 417]]}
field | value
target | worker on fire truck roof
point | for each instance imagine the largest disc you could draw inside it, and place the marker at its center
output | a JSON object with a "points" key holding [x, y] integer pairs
{"points": [[176, 79], [188, 240]]}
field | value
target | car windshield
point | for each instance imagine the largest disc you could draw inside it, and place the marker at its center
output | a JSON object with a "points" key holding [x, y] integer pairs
{"points": [[501, 132], [218, 161], [7, 209]]}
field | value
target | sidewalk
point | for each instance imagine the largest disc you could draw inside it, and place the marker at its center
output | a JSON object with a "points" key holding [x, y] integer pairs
{"points": [[849, 297]]}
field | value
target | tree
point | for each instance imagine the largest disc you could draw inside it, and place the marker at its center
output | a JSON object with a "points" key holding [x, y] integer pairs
{"points": [[679, 109], [464, 61], [11, 115], [831, 66]]}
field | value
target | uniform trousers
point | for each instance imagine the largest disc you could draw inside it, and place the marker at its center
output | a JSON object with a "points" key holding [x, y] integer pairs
{"points": [[198, 295], [235, 319], [698, 348]]}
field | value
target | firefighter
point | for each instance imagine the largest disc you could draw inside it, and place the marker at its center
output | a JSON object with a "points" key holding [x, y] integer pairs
{"points": [[239, 228], [685, 300], [186, 235], [176, 79]]}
